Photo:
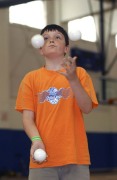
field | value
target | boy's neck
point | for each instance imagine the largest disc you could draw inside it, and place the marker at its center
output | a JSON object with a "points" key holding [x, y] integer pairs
{"points": [[53, 67], [54, 64]]}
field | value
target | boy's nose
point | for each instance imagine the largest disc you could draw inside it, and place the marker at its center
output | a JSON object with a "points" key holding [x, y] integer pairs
{"points": [[51, 40]]}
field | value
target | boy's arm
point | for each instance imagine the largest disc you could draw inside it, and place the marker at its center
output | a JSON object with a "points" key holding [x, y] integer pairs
{"points": [[82, 98], [31, 130], [29, 124]]}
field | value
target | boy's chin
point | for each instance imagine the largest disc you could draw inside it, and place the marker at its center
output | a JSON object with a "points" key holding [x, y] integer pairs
{"points": [[54, 55]]}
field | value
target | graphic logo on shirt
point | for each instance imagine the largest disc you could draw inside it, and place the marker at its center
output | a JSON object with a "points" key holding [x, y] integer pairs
{"points": [[53, 95]]}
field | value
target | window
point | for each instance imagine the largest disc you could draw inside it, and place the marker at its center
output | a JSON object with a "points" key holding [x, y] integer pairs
{"points": [[32, 14], [86, 26]]}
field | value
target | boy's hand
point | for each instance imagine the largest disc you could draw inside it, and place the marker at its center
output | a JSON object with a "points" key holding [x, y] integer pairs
{"points": [[69, 65], [36, 145]]}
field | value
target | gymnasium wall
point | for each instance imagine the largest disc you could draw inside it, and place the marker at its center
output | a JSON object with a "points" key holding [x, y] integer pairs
{"points": [[17, 57]]}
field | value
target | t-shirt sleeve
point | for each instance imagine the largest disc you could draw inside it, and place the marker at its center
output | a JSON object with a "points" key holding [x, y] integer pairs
{"points": [[24, 99], [87, 84]]}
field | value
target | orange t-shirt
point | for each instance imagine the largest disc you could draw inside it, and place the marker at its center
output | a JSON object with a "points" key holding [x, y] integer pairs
{"points": [[57, 115]]}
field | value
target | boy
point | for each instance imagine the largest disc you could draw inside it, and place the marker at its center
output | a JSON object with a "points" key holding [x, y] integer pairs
{"points": [[52, 100]]}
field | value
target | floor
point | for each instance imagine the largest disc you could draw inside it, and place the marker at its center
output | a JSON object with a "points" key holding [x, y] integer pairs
{"points": [[104, 176], [94, 176]]}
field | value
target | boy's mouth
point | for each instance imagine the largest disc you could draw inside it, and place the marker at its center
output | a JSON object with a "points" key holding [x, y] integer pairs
{"points": [[52, 45]]}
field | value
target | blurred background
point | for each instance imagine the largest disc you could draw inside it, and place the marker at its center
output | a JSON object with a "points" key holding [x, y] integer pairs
{"points": [[97, 53]]}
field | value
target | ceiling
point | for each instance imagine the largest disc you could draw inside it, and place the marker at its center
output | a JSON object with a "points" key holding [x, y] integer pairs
{"points": [[7, 3]]}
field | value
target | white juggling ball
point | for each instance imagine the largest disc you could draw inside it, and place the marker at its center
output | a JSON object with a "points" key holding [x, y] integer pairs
{"points": [[74, 35], [37, 41], [40, 155]]}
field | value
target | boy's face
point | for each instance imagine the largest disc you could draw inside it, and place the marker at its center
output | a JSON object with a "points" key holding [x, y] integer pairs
{"points": [[54, 44]]}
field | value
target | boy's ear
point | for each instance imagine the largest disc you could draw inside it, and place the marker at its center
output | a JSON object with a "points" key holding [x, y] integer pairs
{"points": [[40, 51], [67, 49]]}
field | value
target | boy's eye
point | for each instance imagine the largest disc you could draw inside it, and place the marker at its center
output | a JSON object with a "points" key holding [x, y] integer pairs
{"points": [[45, 38], [58, 37]]}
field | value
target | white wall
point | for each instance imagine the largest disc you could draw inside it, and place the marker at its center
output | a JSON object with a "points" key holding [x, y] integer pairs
{"points": [[20, 58], [23, 57], [75, 9], [102, 119]]}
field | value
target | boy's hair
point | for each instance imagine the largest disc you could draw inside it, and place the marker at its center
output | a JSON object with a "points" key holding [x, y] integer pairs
{"points": [[54, 27]]}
